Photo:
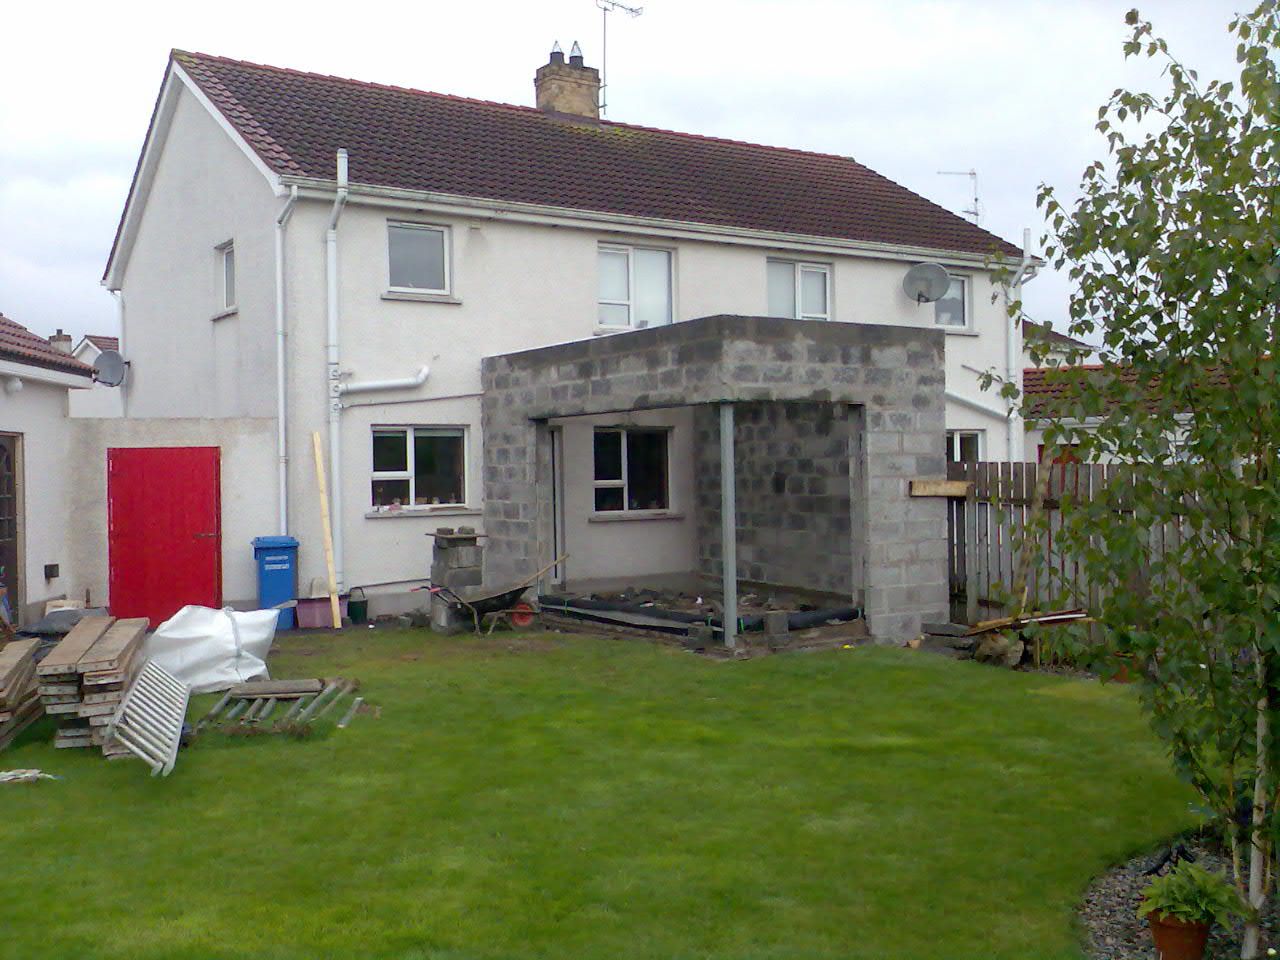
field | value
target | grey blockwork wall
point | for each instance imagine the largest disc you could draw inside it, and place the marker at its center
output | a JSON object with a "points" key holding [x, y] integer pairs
{"points": [[892, 377], [794, 499]]}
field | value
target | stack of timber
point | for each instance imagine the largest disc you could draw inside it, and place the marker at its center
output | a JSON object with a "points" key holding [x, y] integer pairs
{"points": [[289, 705], [19, 700], [84, 678]]}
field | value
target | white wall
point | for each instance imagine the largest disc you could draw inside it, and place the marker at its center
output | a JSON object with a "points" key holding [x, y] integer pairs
{"points": [[183, 362], [38, 413]]}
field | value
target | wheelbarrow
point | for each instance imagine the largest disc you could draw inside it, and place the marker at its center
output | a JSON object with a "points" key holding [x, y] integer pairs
{"points": [[495, 604]]}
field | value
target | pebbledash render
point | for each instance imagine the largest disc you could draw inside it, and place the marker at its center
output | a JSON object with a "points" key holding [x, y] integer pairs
{"points": [[528, 321]]}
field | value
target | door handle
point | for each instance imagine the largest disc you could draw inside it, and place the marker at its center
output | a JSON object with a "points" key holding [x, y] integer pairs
{"points": [[206, 534]]}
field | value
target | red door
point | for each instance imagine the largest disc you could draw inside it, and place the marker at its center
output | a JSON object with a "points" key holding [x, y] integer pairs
{"points": [[164, 537]]}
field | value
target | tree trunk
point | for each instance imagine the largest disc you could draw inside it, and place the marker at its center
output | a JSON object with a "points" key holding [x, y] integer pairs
{"points": [[1258, 843]]}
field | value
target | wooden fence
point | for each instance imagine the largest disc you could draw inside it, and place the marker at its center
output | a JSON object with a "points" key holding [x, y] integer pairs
{"points": [[985, 529]]}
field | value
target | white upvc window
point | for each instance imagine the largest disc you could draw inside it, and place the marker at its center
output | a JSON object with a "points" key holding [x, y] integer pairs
{"points": [[417, 257], [227, 275], [631, 469], [952, 309], [965, 446], [419, 467], [799, 291], [634, 287]]}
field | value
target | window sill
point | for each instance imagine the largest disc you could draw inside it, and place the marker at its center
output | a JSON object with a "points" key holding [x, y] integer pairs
{"points": [[417, 296], [959, 331], [420, 512], [616, 516], [223, 314]]}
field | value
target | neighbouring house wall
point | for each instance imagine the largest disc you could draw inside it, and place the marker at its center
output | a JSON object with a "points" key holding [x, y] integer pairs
{"points": [[183, 361], [38, 413], [248, 507], [793, 494]]}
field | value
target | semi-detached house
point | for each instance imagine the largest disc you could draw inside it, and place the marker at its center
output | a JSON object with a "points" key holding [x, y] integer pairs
{"points": [[304, 254]]}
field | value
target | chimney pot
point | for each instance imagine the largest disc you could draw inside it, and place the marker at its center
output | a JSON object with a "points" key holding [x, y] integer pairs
{"points": [[61, 341], [571, 87]]}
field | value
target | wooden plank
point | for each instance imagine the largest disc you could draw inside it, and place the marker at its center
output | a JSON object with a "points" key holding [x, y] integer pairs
{"points": [[66, 655], [939, 488], [115, 646], [327, 530], [275, 688], [971, 545], [57, 689], [10, 731], [99, 709], [14, 658]]}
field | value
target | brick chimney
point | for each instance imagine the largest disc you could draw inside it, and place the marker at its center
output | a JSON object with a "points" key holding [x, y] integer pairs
{"points": [[568, 87], [61, 341]]}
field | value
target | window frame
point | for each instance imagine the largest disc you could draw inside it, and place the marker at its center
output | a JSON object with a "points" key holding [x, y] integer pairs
{"points": [[798, 267], [953, 444], [446, 242], [965, 304], [621, 483], [226, 254], [410, 432], [629, 250]]}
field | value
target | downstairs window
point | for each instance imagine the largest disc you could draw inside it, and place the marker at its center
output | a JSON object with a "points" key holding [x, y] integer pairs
{"points": [[419, 466], [631, 469]]}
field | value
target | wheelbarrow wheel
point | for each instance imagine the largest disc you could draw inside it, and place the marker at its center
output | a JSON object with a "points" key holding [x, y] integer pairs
{"points": [[521, 614]]}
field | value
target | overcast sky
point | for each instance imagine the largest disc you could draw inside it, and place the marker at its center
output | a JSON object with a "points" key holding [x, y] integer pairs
{"points": [[1007, 87]]}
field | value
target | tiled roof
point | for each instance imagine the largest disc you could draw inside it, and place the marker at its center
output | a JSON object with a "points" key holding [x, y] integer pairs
{"points": [[103, 342], [1030, 329], [415, 140], [20, 345], [1045, 389]]}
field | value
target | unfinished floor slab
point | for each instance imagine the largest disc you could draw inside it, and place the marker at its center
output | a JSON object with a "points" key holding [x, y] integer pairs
{"points": [[807, 434]]}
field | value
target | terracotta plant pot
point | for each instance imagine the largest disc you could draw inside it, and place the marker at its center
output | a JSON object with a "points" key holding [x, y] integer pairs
{"points": [[1177, 939]]}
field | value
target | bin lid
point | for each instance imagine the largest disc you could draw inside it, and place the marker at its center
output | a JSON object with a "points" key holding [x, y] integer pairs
{"points": [[273, 543]]}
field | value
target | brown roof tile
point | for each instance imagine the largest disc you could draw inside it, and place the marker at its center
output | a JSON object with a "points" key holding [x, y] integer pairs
{"points": [[20, 345], [103, 342], [416, 140]]}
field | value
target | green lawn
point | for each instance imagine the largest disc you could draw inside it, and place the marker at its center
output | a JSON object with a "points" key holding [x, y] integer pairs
{"points": [[544, 796]]}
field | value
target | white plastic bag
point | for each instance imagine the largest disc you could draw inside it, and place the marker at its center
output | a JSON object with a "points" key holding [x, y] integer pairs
{"points": [[212, 649]]}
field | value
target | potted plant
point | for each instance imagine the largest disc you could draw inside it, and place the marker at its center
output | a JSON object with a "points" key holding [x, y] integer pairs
{"points": [[1182, 906]]}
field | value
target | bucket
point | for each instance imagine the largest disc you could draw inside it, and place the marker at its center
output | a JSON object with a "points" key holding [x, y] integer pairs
{"points": [[313, 612], [358, 605]]}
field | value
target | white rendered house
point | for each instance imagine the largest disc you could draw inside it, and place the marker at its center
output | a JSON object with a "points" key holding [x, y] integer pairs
{"points": [[301, 254]]}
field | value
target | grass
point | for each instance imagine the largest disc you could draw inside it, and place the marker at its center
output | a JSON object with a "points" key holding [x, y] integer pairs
{"points": [[547, 796]]}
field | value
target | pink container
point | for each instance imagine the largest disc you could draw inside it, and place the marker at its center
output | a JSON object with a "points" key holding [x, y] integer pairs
{"points": [[314, 613]]}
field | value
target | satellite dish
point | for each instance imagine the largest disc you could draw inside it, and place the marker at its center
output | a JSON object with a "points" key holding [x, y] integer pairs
{"points": [[926, 282], [109, 368]]}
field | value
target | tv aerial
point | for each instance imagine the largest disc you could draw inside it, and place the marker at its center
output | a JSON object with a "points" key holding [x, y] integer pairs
{"points": [[109, 368], [607, 7], [976, 210], [926, 282]]}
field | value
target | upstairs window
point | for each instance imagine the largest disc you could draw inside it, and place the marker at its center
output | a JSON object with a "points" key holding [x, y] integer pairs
{"points": [[634, 287], [227, 274], [419, 466], [952, 309], [631, 469], [419, 257], [799, 291]]}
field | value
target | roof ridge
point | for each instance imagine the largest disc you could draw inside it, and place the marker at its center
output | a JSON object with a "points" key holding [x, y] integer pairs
{"points": [[176, 53]]}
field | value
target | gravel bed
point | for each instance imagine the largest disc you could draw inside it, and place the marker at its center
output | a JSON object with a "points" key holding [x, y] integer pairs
{"points": [[1113, 931]]}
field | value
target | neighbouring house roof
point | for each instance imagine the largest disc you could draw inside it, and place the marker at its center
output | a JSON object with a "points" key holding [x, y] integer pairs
{"points": [[1044, 389], [1034, 330], [103, 342], [415, 140], [20, 345]]}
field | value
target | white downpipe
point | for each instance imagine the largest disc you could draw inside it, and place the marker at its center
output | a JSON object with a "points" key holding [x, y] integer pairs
{"points": [[1013, 351], [333, 376], [124, 387], [369, 386], [282, 403]]}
